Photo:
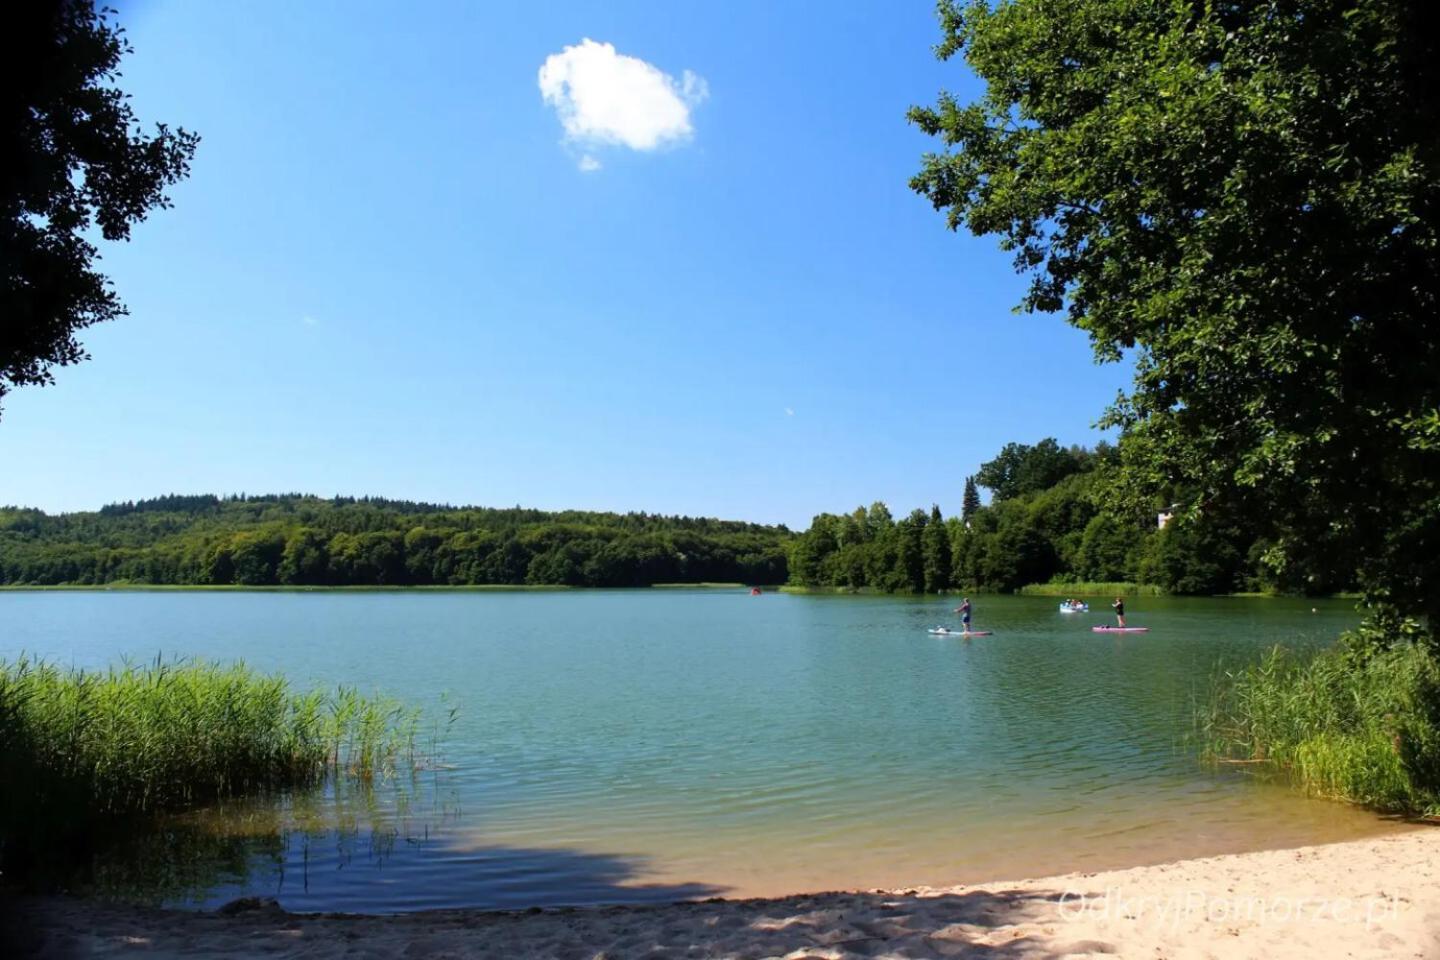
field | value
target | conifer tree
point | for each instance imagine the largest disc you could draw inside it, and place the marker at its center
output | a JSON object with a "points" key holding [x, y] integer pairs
{"points": [[971, 502], [937, 553]]}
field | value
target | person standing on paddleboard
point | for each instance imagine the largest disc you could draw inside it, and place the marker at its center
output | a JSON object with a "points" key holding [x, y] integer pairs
{"points": [[964, 611], [1119, 607]]}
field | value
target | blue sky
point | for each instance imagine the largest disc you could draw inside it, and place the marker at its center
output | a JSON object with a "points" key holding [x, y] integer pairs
{"points": [[390, 274]]}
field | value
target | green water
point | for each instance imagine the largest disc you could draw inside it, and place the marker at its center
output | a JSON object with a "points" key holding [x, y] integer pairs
{"points": [[640, 745]]}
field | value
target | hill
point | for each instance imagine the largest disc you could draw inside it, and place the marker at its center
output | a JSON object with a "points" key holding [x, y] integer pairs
{"points": [[295, 539]]}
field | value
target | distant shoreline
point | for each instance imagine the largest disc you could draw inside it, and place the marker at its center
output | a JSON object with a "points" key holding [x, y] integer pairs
{"points": [[1124, 589], [1042, 590], [352, 588], [1035, 590]]}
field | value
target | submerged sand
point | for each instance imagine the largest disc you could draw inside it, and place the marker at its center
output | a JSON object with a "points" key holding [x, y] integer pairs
{"points": [[1368, 898]]}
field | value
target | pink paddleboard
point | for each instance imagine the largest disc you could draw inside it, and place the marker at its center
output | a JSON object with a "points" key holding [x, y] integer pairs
{"points": [[1121, 629]]}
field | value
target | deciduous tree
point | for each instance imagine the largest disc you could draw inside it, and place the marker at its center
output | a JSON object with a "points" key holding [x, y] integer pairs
{"points": [[76, 163], [1244, 199]]}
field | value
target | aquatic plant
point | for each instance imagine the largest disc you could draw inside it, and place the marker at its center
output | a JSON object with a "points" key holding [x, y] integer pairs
{"points": [[81, 750], [1347, 723]]}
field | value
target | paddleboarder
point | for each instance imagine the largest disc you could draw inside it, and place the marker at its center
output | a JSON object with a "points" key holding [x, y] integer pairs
{"points": [[964, 611], [1119, 607]]}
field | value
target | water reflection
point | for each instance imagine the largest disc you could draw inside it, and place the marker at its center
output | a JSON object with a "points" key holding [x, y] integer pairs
{"points": [[382, 849], [270, 844]]}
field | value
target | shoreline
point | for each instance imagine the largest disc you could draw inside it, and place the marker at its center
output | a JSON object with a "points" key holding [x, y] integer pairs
{"points": [[1378, 897], [351, 588], [1031, 590]]}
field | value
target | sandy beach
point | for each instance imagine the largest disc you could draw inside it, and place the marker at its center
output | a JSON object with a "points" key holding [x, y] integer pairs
{"points": [[1368, 898]]}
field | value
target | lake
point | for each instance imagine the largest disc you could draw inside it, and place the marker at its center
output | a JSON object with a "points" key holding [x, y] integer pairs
{"points": [[623, 746]]}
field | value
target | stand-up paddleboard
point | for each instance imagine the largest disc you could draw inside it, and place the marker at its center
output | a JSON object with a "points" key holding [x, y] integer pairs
{"points": [[945, 632], [1120, 629]]}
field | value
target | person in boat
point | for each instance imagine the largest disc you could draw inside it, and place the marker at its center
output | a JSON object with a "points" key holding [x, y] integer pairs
{"points": [[964, 611], [1119, 607]]}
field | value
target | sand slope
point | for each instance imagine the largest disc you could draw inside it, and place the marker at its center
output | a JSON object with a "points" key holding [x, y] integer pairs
{"points": [[1370, 898]]}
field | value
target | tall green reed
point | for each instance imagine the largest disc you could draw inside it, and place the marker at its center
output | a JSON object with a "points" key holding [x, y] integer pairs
{"points": [[1359, 728], [81, 749]]}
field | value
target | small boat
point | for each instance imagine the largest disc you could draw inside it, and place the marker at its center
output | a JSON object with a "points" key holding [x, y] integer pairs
{"points": [[1074, 607], [947, 632], [1120, 629]]}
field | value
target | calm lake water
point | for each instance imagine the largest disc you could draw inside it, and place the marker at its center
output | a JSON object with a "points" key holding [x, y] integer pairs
{"points": [[656, 744]]}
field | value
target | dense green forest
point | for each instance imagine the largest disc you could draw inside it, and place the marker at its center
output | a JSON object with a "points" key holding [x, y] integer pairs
{"points": [[302, 540], [1055, 514]]}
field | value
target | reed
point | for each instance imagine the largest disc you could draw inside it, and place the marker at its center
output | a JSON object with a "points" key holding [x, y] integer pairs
{"points": [[1360, 729], [1103, 589], [81, 749]]}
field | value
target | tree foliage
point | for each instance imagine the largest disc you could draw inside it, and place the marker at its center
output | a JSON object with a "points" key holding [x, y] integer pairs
{"points": [[1021, 468], [76, 164], [1243, 197], [937, 568], [1078, 529], [970, 502], [305, 541]]}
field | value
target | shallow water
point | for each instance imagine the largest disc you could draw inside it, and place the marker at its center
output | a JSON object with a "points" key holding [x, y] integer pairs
{"points": [[654, 744]]}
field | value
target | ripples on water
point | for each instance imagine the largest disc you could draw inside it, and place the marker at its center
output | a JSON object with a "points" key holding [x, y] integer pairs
{"points": [[651, 745]]}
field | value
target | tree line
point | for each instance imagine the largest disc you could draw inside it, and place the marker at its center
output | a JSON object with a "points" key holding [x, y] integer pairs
{"points": [[300, 540], [1055, 515]]}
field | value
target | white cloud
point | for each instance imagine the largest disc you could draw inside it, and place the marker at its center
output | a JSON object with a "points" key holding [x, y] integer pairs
{"points": [[789, 412], [308, 320], [605, 98]]}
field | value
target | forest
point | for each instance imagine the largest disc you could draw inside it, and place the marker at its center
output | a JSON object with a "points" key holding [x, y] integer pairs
{"points": [[297, 540], [1055, 514]]}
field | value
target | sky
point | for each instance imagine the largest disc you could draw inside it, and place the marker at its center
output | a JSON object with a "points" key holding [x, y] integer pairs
{"points": [[615, 256]]}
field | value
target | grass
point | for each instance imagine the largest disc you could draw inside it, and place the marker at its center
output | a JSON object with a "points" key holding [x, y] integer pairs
{"points": [[1364, 729], [1271, 595], [1110, 589], [94, 749], [869, 591], [703, 585]]}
